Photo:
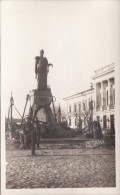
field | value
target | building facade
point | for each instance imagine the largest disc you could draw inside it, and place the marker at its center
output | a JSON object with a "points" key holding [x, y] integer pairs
{"points": [[102, 93], [76, 107]]}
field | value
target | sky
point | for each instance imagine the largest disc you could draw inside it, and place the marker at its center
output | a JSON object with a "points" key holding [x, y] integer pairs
{"points": [[78, 37]]}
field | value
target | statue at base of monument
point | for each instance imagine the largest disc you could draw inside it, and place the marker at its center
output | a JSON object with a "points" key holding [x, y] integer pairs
{"points": [[41, 71]]}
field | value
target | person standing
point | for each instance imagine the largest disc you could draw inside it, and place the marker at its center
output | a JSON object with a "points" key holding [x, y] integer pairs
{"points": [[27, 128]]}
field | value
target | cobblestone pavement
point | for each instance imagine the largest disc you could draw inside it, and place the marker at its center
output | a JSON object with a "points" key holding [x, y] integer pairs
{"points": [[55, 167]]}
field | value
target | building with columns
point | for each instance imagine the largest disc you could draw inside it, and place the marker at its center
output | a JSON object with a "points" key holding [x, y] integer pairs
{"points": [[102, 92]]}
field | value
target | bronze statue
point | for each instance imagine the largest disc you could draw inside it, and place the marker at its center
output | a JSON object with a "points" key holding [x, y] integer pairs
{"points": [[41, 70]]}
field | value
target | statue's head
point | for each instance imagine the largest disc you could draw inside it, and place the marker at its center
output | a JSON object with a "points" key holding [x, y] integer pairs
{"points": [[41, 52]]}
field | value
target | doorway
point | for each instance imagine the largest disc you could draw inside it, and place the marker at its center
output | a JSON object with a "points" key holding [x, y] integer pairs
{"points": [[104, 122], [112, 124]]}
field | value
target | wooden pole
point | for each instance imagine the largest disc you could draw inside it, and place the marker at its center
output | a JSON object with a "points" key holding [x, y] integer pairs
{"points": [[11, 117], [54, 110], [33, 142], [25, 108], [92, 114]]}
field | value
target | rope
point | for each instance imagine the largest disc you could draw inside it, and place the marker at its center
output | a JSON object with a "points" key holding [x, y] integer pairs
{"points": [[8, 113], [17, 111]]}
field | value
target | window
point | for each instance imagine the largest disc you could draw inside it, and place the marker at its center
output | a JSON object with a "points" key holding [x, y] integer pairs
{"points": [[112, 124], [74, 108], [104, 121], [79, 107], [90, 105]]}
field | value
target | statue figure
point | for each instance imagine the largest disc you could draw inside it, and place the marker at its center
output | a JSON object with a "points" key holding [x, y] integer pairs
{"points": [[41, 70]]}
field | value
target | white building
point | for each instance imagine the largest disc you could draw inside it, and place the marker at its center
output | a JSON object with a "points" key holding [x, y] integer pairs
{"points": [[76, 106], [104, 91], [103, 95]]}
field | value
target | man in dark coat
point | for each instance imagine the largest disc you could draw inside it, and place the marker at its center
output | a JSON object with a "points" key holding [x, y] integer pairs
{"points": [[27, 128], [37, 131]]}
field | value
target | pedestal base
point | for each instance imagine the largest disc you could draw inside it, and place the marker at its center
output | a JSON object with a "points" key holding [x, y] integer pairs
{"points": [[40, 98]]}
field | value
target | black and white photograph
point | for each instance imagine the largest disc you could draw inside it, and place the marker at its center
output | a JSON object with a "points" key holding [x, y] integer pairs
{"points": [[60, 97]]}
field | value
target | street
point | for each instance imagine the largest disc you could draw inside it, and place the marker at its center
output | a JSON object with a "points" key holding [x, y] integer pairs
{"points": [[56, 166]]}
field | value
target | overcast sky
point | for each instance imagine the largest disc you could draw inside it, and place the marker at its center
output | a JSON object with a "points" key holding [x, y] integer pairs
{"points": [[78, 37]]}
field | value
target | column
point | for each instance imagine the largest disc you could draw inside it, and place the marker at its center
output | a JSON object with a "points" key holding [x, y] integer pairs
{"points": [[101, 95], [109, 94], [97, 95], [95, 88], [113, 95]]}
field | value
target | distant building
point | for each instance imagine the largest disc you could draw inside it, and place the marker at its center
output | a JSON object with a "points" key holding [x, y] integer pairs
{"points": [[102, 93], [76, 106]]}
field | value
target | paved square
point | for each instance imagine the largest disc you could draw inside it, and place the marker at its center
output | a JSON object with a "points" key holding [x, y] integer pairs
{"points": [[55, 167]]}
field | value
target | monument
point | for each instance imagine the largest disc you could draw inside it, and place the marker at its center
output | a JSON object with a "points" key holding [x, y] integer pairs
{"points": [[41, 98], [43, 118]]}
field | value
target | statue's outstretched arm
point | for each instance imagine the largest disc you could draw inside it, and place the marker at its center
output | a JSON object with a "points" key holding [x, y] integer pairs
{"points": [[50, 65]]}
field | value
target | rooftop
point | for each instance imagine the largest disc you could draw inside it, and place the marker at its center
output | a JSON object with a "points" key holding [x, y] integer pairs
{"points": [[79, 94], [104, 70]]}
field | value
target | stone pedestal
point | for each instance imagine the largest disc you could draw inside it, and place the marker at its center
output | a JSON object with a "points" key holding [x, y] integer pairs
{"points": [[40, 98], [40, 102]]}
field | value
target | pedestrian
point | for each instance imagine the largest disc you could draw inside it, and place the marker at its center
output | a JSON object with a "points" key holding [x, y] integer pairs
{"points": [[37, 131], [27, 128]]}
